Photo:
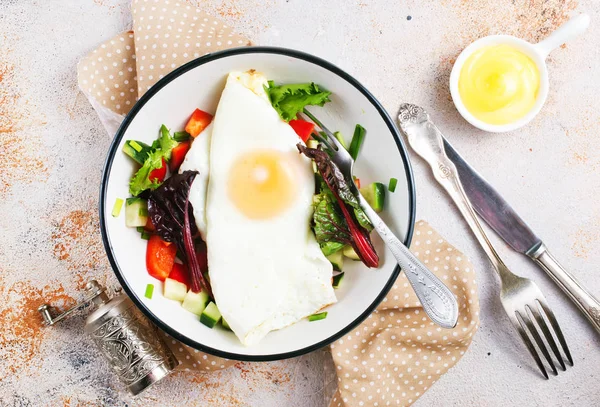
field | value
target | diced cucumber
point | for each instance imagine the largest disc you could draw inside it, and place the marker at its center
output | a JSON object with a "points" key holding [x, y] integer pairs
{"points": [[174, 290], [181, 136], [149, 291], [337, 280], [340, 138], [357, 140], [337, 260], [225, 324], [392, 184], [116, 211], [211, 315], [350, 253], [317, 317], [137, 150], [136, 212], [313, 144], [195, 302], [375, 195]]}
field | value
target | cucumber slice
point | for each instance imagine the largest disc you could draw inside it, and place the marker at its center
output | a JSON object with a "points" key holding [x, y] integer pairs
{"points": [[350, 253], [225, 324], [174, 290], [313, 144], [136, 212], [195, 302], [337, 260], [337, 280], [211, 315], [375, 195], [117, 208], [137, 150], [340, 138], [317, 317]]}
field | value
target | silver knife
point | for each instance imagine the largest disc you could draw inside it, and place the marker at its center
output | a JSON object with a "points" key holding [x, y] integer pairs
{"points": [[503, 219]]}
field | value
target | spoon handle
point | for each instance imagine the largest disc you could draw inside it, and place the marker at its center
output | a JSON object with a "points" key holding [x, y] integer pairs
{"points": [[565, 33], [437, 300]]}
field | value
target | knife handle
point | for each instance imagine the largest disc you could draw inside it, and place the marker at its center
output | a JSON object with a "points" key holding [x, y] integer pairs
{"points": [[585, 301]]}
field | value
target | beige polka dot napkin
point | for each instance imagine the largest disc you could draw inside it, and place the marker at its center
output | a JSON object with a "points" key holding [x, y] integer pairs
{"points": [[395, 355]]}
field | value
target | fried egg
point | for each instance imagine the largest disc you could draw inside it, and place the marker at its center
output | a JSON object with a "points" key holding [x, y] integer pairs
{"points": [[266, 268]]}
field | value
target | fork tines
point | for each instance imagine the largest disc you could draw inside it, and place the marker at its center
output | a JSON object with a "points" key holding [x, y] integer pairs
{"points": [[529, 322]]}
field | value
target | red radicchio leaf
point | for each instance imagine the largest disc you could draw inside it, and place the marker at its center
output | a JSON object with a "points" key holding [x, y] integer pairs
{"points": [[171, 215]]}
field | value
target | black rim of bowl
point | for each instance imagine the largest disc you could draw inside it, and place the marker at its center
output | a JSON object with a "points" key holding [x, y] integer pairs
{"points": [[201, 61]]}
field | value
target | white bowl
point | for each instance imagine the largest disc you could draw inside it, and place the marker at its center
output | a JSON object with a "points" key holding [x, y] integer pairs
{"points": [[198, 84], [537, 52]]}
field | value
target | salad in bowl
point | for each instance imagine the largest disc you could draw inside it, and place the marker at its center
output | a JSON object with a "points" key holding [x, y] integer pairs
{"points": [[246, 242]]}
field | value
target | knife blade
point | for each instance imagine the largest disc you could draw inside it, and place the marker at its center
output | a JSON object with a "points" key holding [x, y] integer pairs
{"points": [[505, 221], [490, 205]]}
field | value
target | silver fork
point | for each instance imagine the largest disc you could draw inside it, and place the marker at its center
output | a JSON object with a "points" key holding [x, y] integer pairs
{"points": [[522, 299], [437, 300]]}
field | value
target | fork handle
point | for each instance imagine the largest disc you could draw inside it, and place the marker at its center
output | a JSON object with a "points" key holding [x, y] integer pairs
{"points": [[585, 301], [437, 300]]}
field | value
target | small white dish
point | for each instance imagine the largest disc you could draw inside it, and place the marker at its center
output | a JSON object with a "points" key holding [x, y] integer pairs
{"points": [[537, 52], [198, 84]]}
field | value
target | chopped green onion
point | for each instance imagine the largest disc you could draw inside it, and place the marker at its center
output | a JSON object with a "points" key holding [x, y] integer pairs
{"points": [[140, 229], [143, 212], [340, 138], [317, 317], [392, 184], [117, 207], [145, 235], [181, 136], [149, 291], [357, 140], [337, 280], [136, 146]]}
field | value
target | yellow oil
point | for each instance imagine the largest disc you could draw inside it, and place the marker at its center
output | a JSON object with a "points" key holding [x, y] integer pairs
{"points": [[499, 84]]}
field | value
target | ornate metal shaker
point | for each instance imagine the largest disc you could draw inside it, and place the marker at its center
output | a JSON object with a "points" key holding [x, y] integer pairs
{"points": [[126, 338]]}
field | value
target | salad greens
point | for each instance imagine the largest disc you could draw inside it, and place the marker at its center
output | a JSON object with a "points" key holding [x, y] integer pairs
{"points": [[173, 218], [152, 158], [289, 100], [340, 189], [141, 180], [166, 142], [330, 227]]}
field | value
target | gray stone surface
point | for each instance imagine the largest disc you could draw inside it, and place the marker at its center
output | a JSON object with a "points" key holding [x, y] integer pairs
{"points": [[52, 148]]}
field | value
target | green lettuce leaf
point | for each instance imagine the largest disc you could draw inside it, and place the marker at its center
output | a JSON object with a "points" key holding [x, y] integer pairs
{"points": [[330, 227], [140, 182], [166, 142], [288, 100]]}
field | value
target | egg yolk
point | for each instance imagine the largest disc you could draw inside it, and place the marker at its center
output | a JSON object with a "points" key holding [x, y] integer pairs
{"points": [[261, 184], [499, 84]]}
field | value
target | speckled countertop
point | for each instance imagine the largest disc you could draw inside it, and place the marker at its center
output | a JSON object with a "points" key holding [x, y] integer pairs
{"points": [[52, 148]]}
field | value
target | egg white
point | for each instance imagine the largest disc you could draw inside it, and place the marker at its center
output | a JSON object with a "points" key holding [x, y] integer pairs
{"points": [[269, 273]]}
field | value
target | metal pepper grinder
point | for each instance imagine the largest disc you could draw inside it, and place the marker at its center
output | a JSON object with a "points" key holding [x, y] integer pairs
{"points": [[126, 338]]}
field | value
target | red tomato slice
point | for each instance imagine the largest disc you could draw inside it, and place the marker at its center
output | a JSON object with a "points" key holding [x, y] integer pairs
{"points": [[159, 174], [198, 122], [160, 257], [302, 128], [180, 273], [178, 154]]}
